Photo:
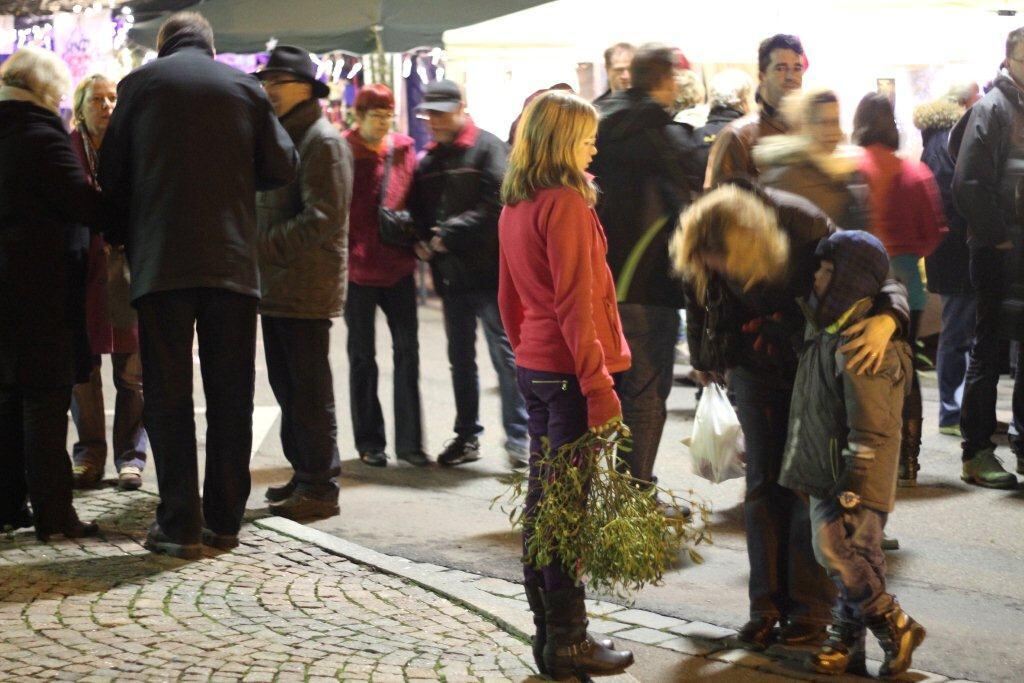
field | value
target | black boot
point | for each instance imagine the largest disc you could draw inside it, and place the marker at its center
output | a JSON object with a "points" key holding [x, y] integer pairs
{"points": [[568, 651], [536, 601], [843, 649], [910, 450], [899, 636]]}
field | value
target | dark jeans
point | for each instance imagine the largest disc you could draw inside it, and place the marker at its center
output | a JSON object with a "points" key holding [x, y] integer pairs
{"points": [[225, 323], [130, 440], [460, 315], [785, 580], [978, 409], [399, 306], [652, 332], [299, 370], [848, 544], [958, 314], [33, 455], [558, 411]]}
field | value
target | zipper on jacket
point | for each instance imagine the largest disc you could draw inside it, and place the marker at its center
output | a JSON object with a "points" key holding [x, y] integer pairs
{"points": [[563, 382]]}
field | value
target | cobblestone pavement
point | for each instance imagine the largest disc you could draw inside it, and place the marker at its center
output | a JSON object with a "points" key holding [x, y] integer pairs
{"points": [[274, 609]]}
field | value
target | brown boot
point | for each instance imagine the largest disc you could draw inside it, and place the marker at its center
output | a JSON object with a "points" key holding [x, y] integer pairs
{"points": [[899, 636], [843, 649], [536, 601], [910, 450], [568, 651]]}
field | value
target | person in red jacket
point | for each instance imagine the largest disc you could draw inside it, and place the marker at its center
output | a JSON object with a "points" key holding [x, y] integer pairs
{"points": [[381, 275], [906, 215], [557, 302]]}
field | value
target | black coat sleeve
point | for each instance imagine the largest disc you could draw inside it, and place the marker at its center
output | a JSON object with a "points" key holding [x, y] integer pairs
{"points": [[276, 158], [976, 178], [63, 190]]}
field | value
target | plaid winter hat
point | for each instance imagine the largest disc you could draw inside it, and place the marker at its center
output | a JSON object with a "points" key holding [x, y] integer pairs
{"points": [[861, 266]]}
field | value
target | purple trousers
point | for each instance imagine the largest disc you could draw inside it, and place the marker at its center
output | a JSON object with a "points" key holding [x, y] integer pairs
{"points": [[556, 409]]}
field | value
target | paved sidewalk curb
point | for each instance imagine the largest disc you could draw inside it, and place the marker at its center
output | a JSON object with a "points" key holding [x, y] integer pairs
{"points": [[503, 602]]}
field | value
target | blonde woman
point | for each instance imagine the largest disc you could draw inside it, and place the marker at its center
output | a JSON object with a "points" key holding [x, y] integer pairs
{"points": [[748, 255], [557, 302], [44, 197], [110, 321]]}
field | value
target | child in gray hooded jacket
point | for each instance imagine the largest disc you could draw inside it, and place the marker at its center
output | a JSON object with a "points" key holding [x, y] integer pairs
{"points": [[843, 452]]}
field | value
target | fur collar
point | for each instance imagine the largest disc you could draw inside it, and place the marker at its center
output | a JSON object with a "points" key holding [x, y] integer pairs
{"points": [[940, 114]]}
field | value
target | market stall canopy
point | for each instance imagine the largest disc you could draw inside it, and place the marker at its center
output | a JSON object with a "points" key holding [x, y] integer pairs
{"points": [[350, 25]]}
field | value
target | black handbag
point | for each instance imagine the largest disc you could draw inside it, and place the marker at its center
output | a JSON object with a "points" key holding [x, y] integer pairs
{"points": [[396, 227]]}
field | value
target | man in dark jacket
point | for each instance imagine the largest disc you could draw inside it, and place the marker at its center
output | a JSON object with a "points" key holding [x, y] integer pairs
{"points": [[617, 60], [729, 96], [189, 145], [780, 67], [641, 170], [455, 204], [303, 247], [948, 267], [985, 187]]}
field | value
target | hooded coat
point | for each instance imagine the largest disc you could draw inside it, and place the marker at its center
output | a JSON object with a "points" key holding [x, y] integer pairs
{"points": [[988, 184], [948, 267], [641, 170], [829, 181], [844, 428], [44, 199]]}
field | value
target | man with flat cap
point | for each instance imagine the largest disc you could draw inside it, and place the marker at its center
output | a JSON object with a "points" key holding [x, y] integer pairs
{"points": [[455, 204], [303, 253]]}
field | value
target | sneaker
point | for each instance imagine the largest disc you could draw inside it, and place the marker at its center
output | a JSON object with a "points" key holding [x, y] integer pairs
{"points": [[414, 458], [459, 451], [302, 505], [220, 541], [129, 478], [159, 542], [985, 469], [86, 476], [890, 542], [373, 459], [951, 430], [518, 455]]}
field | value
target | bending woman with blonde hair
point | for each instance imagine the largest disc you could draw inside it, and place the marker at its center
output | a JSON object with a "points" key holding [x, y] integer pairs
{"points": [[747, 256], [557, 302]]}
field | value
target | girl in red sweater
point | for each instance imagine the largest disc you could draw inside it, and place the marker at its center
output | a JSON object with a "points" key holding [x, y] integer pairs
{"points": [[557, 302]]}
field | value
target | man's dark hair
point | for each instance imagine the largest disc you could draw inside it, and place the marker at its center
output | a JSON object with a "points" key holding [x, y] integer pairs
{"points": [[652, 64], [617, 47], [874, 122], [1015, 38], [780, 41], [186, 24]]}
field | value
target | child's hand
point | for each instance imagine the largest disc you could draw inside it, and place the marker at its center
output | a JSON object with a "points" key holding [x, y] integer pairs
{"points": [[612, 430]]}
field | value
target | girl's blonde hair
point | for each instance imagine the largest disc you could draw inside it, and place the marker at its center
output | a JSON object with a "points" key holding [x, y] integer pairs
{"points": [[544, 152], [82, 91], [39, 72], [737, 226]]}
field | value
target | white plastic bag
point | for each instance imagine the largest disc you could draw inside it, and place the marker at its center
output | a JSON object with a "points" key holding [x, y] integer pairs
{"points": [[716, 445]]}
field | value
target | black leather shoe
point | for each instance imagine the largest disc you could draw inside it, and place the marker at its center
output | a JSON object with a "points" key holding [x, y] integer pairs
{"points": [[22, 519], [568, 649], [220, 541], [758, 633], [73, 528], [415, 458], [802, 633], [275, 494], [459, 451], [162, 544], [302, 505], [374, 458]]}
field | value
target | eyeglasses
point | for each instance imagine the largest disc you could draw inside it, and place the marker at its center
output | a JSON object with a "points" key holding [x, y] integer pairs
{"points": [[274, 84]]}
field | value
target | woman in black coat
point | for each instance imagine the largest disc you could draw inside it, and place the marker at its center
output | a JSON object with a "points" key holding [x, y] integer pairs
{"points": [[44, 199]]}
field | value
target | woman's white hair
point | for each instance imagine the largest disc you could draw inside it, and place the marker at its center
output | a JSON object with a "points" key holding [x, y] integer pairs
{"points": [[40, 72], [731, 88]]}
